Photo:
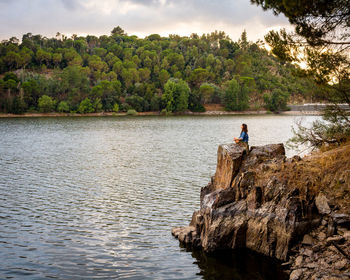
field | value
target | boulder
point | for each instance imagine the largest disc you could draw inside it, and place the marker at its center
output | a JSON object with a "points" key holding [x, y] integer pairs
{"points": [[229, 160], [250, 203], [322, 204], [236, 213]]}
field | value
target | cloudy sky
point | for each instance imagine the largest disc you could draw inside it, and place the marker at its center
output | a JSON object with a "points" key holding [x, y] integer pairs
{"points": [[136, 17]]}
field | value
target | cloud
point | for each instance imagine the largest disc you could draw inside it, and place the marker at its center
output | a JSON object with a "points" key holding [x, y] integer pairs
{"points": [[70, 4], [140, 17]]}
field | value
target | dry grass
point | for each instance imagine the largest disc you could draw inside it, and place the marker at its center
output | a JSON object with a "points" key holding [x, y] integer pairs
{"points": [[327, 171]]}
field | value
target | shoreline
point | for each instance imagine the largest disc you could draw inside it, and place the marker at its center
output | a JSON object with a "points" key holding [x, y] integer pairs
{"points": [[207, 113]]}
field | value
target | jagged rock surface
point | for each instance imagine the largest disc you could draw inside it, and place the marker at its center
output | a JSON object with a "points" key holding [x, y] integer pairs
{"points": [[240, 208]]}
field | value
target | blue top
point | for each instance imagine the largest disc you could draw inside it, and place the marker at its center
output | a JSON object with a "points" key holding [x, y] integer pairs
{"points": [[244, 136]]}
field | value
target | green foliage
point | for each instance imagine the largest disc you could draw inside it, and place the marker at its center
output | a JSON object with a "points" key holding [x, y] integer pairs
{"points": [[11, 76], [320, 41], [176, 94], [86, 106], [194, 102], [131, 112], [136, 102], [134, 72], [63, 107], [236, 94], [97, 105], [46, 104], [116, 108], [276, 100], [320, 133]]}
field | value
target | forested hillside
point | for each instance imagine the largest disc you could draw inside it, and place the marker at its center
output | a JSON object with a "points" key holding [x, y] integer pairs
{"points": [[121, 72]]}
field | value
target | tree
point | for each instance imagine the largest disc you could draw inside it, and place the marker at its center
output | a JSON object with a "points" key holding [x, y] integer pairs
{"points": [[231, 96], [321, 41], [25, 57], [236, 94], [206, 91], [276, 100], [163, 77], [136, 102], [31, 92], [118, 31], [43, 56], [176, 95], [57, 59], [86, 106], [133, 66], [199, 76], [63, 107], [12, 60], [46, 104], [107, 92]]}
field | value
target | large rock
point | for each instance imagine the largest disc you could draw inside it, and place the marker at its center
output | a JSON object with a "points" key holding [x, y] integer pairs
{"points": [[237, 213], [252, 202], [229, 161]]}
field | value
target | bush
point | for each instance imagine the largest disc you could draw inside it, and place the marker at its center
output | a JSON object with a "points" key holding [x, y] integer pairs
{"points": [[175, 96], [276, 100], [85, 106], [46, 104], [131, 112], [63, 107], [116, 108]]}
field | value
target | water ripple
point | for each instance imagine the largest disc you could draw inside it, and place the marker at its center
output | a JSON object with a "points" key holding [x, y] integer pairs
{"points": [[95, 198]]}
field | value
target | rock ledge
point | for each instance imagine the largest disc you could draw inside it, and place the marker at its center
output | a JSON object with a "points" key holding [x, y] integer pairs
{"points": [[250, 204]]}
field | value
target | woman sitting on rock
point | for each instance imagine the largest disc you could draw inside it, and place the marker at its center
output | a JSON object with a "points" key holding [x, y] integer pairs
{"points": [[243, 138]]}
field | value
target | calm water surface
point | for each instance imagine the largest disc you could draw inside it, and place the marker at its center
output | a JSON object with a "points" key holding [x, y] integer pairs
{"points": [[96, 198]]}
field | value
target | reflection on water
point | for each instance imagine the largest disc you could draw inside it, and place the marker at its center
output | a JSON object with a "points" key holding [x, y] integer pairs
{"points": [[238, 265], [96, 198]]}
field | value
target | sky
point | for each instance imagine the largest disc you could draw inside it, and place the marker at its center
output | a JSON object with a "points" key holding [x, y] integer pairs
{"points": [[136, 17]]}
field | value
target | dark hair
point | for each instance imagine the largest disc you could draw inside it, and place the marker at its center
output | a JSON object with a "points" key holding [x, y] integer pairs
{"points": [[245, 128]]}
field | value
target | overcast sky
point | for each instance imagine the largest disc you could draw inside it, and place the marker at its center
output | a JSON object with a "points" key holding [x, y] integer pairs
{"points": [[136, 17]]}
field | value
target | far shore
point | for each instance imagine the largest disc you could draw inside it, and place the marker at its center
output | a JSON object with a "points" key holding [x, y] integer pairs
{"points": [[207, 113]]}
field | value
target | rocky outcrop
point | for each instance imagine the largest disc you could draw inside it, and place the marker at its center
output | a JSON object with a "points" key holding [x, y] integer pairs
{"points": [[251, 202]]}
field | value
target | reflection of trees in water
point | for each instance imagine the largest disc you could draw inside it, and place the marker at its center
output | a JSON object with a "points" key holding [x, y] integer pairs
{"points": [[237, 265]]}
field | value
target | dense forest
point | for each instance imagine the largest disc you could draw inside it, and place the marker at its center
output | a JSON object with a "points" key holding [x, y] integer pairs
{"points": [[120, 73]]}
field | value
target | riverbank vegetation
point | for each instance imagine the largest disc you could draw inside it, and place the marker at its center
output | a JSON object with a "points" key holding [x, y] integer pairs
{"points": [[321, 42], [121, 73]]}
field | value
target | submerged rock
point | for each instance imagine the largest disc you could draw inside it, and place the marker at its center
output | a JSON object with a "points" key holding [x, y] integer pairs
{"points": [[250, 203]]}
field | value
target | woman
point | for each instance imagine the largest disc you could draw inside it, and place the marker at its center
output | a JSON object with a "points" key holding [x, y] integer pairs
{"points": [[243, 138]]}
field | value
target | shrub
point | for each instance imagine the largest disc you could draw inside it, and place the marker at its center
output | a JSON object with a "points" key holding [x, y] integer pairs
{"points": [[116, 108], [131, 112], [63, 107], [85, 106], [46, 104]]}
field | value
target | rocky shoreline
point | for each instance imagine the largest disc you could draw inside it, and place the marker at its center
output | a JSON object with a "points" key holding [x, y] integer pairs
{"points": [[282, 208]]}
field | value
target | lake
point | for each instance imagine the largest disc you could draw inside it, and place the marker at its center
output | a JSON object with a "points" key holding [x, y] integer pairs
{"points": [[96, 198]]}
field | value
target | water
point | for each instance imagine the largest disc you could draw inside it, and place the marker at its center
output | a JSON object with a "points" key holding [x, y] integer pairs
{"points": [[96, 198]]}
